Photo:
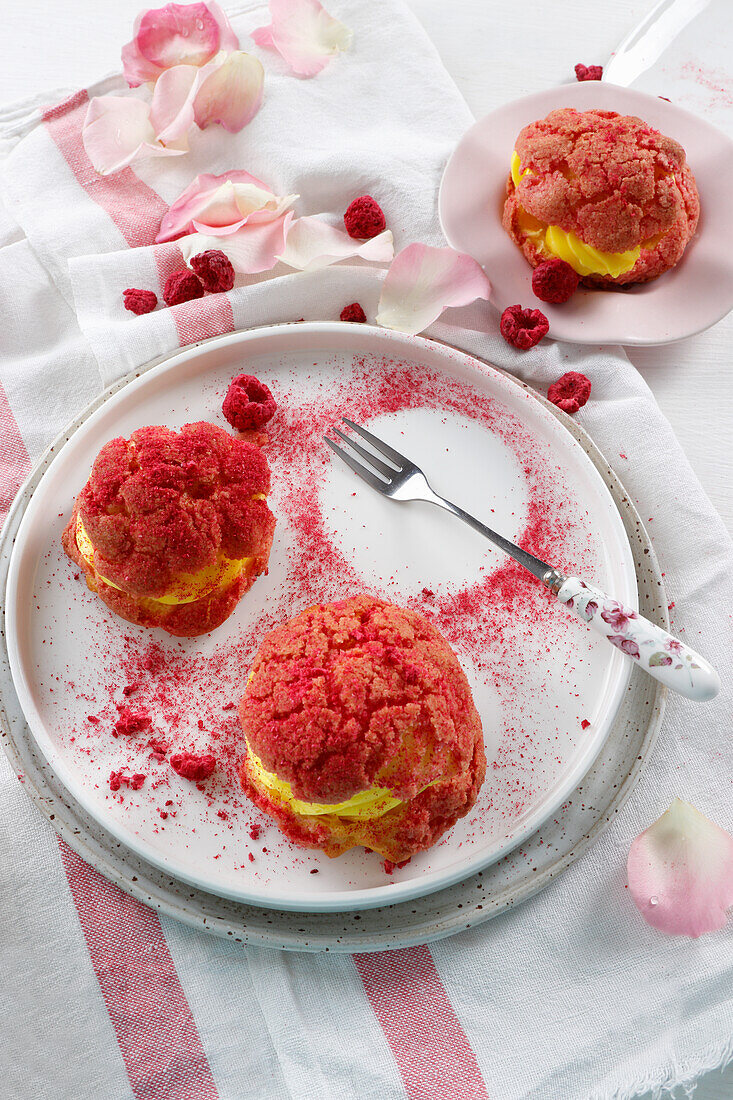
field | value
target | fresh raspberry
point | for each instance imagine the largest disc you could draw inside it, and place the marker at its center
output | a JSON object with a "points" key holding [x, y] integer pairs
{"points": [[182, 286], [523, 327], [248, 404], [588, 72], [139, 301], [554, 281], [364, 218], [570, 392], [214, 269], [190, 766], [354, 312]]}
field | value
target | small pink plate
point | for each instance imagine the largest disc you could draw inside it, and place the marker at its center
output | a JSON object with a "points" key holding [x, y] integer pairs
{"points": [[688, 299]]}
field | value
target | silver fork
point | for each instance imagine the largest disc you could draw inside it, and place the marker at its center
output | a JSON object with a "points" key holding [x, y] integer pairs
{"points": [[649, 646]]}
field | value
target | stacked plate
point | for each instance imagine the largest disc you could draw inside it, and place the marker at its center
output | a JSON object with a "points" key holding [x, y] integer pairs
{"points": [[567, 724]]}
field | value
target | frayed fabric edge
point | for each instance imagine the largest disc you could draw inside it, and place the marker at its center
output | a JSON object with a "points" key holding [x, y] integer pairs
{"points": [[678, 1082]]}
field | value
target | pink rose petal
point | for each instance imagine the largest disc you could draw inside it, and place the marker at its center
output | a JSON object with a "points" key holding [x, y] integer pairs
{"points": [[304, 34], [177, 34], [263, 37], [117, 131], [184, 34], [680, 872], [252, 249], [171, 111], [423, 281], [221, 205], [312, 244], [231, 95]]}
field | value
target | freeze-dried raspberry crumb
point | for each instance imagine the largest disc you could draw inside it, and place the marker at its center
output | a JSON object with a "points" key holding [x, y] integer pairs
{"points": [[93, 719], [570, 392], [214, 269], [229, 706], [222, 814], [249, 404], [364, 218], [250, 857], [190, 766], [588, 72], [119, 779], [389, 866], [255, 831], [554, 281], [130, 722], [523, 327], [128, 689], [182, 286], [139, 301], [354, 312], [584, 724]]}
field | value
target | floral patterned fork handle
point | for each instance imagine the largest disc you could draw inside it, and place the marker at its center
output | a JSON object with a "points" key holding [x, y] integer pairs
{"points": [[395, 476], [665, 658]]}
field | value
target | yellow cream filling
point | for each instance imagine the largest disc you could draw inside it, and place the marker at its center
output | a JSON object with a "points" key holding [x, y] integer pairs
{"points": [[374, 802], [186, 587], [582, 257], [518, 173], [585, 259]]}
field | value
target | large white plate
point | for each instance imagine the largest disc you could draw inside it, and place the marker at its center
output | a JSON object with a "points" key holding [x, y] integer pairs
{"points": [[536, 673], [689, 298]]}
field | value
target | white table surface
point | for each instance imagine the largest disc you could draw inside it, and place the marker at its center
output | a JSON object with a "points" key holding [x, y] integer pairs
{"points": [[50, 45]]}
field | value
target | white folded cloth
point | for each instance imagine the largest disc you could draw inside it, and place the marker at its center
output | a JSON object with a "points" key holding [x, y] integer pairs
{"points": [[569, 997]]}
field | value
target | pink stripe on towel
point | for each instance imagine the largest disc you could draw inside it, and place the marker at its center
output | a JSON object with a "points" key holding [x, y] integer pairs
{"points": [[431, 1049]]}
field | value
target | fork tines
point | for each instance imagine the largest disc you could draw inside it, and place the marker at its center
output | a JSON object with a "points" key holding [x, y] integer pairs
{"points": [[377, 469]]}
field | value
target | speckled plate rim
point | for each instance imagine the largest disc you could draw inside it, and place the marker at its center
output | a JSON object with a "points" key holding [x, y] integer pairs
{"points": [[434, 916]]}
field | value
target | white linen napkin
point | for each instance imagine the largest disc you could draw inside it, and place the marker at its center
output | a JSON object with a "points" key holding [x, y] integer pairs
{"points": [[571, 996]]}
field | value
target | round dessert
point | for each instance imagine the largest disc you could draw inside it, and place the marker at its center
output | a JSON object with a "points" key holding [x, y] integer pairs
{"points": [[605, 192], [172, 528], [361, 729]]}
